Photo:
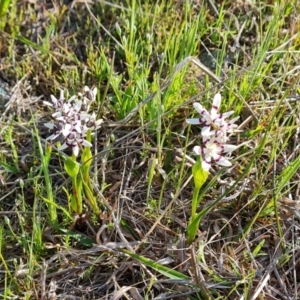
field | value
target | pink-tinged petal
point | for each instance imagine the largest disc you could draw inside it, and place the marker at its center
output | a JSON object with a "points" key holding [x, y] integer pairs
{"points": [[200, 109], [75, 149], [205, 132], [215, 155], [66, 130], [193, 121], [95, 90], [84, 116], [48, 103], [207, 158], [206, 138], [221, 136], [77, 127], [58, 115], [86, 143], [216, 104], [72, 98], [226, 114], [52, 136], [98, 123], [53, 99], [208, 134], [77, 107], [62, 97], [205, 165], [90, 94], [93, 116], [222, 161], [229, 148], [197, 150], [232, 121]]}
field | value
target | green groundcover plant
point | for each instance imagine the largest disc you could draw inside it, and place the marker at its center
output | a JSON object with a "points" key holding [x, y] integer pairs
{"points": [[123, 193]]}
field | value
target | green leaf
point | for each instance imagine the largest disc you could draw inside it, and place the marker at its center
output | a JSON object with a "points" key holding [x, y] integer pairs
{"points": [[82, 239], [192, 228], [200, 175], [172, 274], [258, 248], [9, 168], [72, 167], [32, 44], [4, 4], [52, 202]]}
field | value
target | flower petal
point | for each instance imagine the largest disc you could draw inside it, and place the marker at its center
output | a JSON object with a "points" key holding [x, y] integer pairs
{"points": [[52, 136], [197, 150], [63, 146], [53, 99], [98, 123], [226, 114], [229, 148], [48, 103], [216, 103], [193, 121], [75, 149], [66, 130], [62, 97], [205, 131], [200, 109], [222, 161], [206, 165], [86, 143], [49, 125]]}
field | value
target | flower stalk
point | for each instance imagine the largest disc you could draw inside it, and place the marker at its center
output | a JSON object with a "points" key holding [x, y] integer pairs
{"points": [[215, 129], [73, 125]]}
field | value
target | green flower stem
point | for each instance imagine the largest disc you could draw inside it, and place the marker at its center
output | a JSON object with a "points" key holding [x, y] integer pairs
{"points": [[72, 168], [200, 177], [86, 159], [90, 197], [45, 163], [76, 198]]}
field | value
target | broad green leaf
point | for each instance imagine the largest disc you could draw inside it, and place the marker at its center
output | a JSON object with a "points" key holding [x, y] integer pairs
{"points": [[200, 175], [72, 167]]}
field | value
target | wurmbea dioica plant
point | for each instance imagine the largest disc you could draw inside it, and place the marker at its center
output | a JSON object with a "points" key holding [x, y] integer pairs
{"points": [[214, 148], [73, 123]]}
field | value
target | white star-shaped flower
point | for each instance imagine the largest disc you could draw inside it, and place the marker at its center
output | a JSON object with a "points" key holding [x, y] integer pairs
{"points": [[72, 120], [213, 149], [213, 120]]}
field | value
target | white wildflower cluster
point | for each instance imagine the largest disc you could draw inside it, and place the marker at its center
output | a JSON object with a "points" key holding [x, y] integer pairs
{"points": [[72, 119], [214, 134]]}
